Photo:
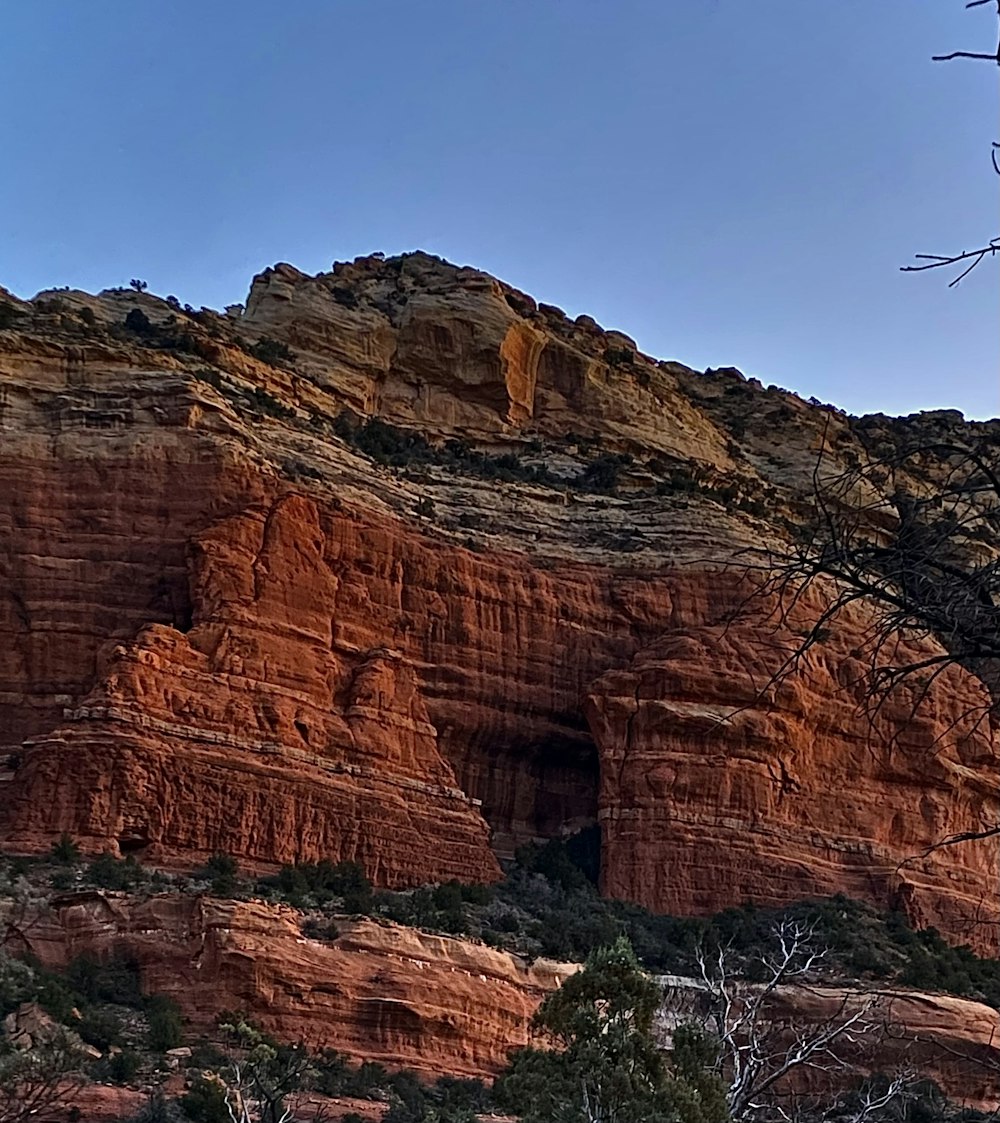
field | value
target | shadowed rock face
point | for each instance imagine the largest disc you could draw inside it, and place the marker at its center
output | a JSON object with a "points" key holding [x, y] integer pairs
{"points": [[716, 783], [227, 629]]}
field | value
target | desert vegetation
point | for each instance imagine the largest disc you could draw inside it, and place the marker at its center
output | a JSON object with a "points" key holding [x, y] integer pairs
{"points": [[103, 1026]]}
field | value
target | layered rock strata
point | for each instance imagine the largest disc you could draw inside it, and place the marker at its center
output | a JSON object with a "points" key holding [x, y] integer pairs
{"points": [[441, 1005], [227, 628], [951, 1041], [380, 992], [727, 774]]}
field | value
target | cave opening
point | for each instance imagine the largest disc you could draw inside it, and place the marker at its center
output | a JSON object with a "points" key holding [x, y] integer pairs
{"points": [[133, 843], [170, 600], [533, 791]]}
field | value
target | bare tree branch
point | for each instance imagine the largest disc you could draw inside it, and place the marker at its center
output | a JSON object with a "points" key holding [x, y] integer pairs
{"points": [[906, 541], [761, 1048], [42, 1079], [977, 256]]}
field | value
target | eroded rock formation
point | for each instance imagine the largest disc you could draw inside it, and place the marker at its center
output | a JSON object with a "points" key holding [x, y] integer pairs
{"points": [[381, 992], [437, 1004], [226, 627], [721, 778]]}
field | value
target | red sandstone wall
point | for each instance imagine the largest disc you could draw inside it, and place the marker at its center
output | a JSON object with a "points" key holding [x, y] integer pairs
{"points": [[399, 996]]}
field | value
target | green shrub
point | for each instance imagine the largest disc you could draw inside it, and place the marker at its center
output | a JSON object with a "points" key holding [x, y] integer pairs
{"points": [[166, 1026], [358, 902], [320, 930], [123, 1067], [17, 983], [319, 883], [205, 1102], [261, 401], [139, 323], [344, 296], [206, 1054], [212, 378], [333, 1073], [397, 448], [553, 861], [272, 352], [477, 894], [296, 469], [116, 981], [447, 897], [101, 1028], [113, 873], [56, 998], [10, 316], [157, 1109], [383, 442], [367, 1079], [602, 475], [222, 872], [65, 851]]}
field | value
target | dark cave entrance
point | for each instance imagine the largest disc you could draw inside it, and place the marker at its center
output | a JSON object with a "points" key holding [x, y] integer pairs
{"points": [[170, 600], [133, 843], [533, 791]]}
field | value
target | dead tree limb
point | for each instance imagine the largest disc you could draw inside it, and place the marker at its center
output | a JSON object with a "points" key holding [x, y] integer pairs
{"points": [[991, 248]]}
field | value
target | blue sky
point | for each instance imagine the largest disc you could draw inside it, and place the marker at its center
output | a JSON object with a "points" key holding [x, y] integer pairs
{"points": [[731, 182]]}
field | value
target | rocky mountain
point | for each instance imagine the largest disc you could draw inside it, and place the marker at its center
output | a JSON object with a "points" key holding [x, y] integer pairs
{"points": [[395, 565]]}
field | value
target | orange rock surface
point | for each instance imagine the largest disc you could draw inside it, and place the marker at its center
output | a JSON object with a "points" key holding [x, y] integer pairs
{"points": [[226, 628], [951, 1041], [381, 992], [720, 784], [435, 1004]]}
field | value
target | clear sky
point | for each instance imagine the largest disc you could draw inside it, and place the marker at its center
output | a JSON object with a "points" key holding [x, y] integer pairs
{"points": [[731, 182]]}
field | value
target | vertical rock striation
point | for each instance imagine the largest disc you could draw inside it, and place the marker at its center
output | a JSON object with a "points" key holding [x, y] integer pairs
{"points": [[236, 618]]}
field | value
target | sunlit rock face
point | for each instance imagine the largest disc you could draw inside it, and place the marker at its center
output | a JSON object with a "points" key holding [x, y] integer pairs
{"points": [[235, 619], [399, 996], [437, 1004]]}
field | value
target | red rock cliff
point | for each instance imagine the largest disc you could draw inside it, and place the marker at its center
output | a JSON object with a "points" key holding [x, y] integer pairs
{"points": [[226, 628], [434, 1004]]}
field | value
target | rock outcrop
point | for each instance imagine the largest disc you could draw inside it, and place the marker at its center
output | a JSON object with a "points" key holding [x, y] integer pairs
{"points": [[951, 1041], [438, 1004], [227, 627], [380, 992], [293, 747], [721, 778]]}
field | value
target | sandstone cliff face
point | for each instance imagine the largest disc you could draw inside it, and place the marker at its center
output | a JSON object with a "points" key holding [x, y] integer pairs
{"points": [[383, 993], [456, 351], [290, 749], [951, 1041], [718, 782], [228, 629]]}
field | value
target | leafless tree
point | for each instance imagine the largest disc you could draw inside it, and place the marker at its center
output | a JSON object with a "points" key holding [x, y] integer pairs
{"points": [[260, 1077], [968, 259], [763, 1048], [910, 531]]}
